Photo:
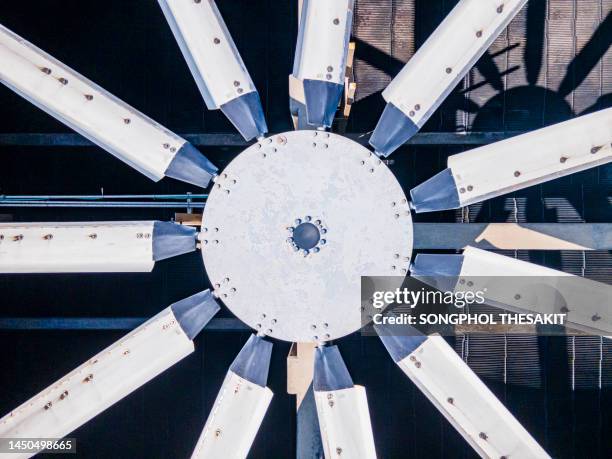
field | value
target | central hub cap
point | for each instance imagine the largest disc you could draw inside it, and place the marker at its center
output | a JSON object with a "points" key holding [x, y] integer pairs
{"points": [[306, 236], [320, 195]]}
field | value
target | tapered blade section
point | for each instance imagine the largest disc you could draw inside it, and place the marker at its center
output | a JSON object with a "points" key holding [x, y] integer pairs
{"points": [[82, 247], [194, 312], [215, 63], [101, 381], [321, 57], [96, 114], [519, 162], [465, 401], [342, 408], [438, 66], [241, 405], [520, 286]]}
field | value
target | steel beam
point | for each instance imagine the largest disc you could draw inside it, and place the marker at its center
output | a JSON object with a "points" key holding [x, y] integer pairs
{"points": [[102, 197], [514, 236], [431, 236], [103, 323], [94, 204], [236, 140]]}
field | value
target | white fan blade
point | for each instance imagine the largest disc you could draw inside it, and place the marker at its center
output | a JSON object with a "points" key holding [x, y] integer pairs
{"points": [[437, 67], [240, 406], [215, 63], [111, 375], [98, 115], [518, 162], [342, 408], [456, 391], [320, 56], [505, 282], [91, 246]]}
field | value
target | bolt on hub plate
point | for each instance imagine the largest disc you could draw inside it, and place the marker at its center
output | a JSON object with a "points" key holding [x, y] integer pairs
{"points": [[269, 208]]}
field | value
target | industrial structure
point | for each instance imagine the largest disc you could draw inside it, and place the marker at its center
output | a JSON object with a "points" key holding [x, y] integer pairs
{"points": [[460, 168]]}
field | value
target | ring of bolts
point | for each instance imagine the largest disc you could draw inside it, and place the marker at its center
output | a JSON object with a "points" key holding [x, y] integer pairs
{"points": [[322, 231]]}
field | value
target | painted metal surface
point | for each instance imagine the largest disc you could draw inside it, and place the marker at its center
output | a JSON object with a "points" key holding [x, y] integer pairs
{"points": [[90, 246], [240, 406], [323, 38], [342, 408], [519, 162], [586, 303], [321, 56], [87, 108], [344, 419], [297, 176], [215, 63], [209, 50], [444, 59], [234, 420], [467, 403], [101, 381]]}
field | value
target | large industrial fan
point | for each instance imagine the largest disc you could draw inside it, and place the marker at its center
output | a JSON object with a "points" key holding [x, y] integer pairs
{"points": [[313, 210]]}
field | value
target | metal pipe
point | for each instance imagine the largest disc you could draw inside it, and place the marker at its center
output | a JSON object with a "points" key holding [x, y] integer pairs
{"points": [[98, 197], [103, 323], [105, 204]]}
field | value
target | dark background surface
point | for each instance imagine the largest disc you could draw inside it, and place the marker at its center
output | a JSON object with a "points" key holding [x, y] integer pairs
{"points": [[553, 62]]}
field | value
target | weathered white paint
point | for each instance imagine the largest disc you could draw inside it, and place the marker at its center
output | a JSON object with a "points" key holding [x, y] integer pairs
{"points": [[86, 107], [447, 55], [467, 403], [532, 158], [100, 382], [259, 195], [322, 45], [76, 247], [344, 420], [508, 284], [234, 420], [209, 50]]}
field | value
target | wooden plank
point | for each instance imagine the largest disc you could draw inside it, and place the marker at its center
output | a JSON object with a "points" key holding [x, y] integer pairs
{"points": [[300, 366], [188, 219]]}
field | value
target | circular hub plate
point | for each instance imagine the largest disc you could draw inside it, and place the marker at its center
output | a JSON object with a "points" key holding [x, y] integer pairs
{"points": [[261, 199]]}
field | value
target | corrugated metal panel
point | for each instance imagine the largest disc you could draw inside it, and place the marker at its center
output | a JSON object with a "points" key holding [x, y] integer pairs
{"points": [[586, 360]]}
